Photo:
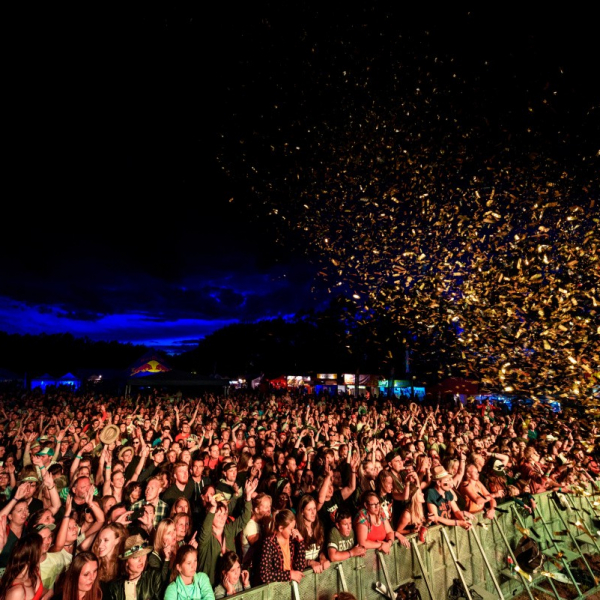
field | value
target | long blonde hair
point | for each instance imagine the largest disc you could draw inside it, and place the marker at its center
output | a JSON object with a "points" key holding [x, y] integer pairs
{"points": [[415, 508], [159, 537]]}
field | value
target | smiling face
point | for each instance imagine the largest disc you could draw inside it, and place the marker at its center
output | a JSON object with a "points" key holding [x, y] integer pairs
{"points": [[220, 518], [445, 484], [107, 540]]}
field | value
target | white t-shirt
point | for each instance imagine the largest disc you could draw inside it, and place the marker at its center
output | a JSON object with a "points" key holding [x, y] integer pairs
{"points": [[53, 565], [252, 528]]}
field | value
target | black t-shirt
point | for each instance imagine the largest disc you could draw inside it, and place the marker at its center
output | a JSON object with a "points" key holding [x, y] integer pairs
{"points": [[173, 492], [329, 509], [345, 472]]}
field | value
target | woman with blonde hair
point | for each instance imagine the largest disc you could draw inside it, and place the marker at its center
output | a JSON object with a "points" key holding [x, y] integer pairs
{"points": [[412, 519], [456, 467], [423, 469], [183, 528], [109, 543], [165, 548]]}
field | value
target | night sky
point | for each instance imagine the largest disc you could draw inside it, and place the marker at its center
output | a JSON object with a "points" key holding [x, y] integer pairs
{"points": [[150, 156]]}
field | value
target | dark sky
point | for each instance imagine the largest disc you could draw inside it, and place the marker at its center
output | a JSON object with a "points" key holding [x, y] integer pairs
{"points": [[119, 221]]}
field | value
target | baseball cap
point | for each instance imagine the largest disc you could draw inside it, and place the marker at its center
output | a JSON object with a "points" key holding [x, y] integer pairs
{"points": [[46, 451], [29, 478]]}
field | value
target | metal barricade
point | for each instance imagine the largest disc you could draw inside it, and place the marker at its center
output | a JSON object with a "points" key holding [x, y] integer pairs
{"points": [[484, 557]]}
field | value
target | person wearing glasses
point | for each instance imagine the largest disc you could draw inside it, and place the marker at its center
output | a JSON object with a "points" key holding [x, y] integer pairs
{"points": [[373, 530], [441, 503]]}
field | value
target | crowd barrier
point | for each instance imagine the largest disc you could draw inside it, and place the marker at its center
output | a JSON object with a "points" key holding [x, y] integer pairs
{"points": [[482, 560]]}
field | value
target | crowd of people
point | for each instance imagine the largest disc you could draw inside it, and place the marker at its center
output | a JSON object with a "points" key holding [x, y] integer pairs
{"points": [[173, 497]]}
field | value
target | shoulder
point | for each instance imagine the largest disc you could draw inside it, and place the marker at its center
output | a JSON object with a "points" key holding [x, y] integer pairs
{"points": [[16, 592], [171, 591], [431, 494]]}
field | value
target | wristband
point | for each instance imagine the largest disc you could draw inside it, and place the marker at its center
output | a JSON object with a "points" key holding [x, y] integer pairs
{"points": [[79, 457], [42, 467], [107, 466], [50, 488]]}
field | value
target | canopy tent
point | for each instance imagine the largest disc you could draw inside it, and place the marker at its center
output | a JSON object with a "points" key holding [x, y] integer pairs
{"points": [[149, 364]]}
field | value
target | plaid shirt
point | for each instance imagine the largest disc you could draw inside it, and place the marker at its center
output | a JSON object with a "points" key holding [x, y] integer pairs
{"points": [[161, 509]]}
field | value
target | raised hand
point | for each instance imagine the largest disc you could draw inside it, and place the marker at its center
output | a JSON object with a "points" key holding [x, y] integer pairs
{"points": [[245, 577], [250, 487], [89, 497], [47, 478], [20, 493]]}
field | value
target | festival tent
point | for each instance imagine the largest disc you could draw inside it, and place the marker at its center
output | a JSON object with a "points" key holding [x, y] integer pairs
{"points": [[278, 383], [42, 382], [150, 363], [70, 380]]}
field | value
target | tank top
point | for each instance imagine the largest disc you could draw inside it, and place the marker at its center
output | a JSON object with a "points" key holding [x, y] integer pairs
{"points": [[377, 533]]}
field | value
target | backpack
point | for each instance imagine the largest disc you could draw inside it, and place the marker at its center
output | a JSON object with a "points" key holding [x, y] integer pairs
{"points": [[456, 591], [528, 555], [408, 591]]}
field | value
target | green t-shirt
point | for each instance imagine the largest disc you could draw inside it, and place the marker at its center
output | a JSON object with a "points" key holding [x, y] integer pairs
{"points": [[339, 542]]}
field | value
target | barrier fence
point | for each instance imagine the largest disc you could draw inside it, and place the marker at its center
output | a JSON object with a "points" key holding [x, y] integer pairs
{"points": [[477, 564]]}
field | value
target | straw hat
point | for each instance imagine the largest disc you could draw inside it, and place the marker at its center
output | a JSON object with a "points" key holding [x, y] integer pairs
{"points": [[109, 434], [124, 449], [439, 473], [135, 546]]}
